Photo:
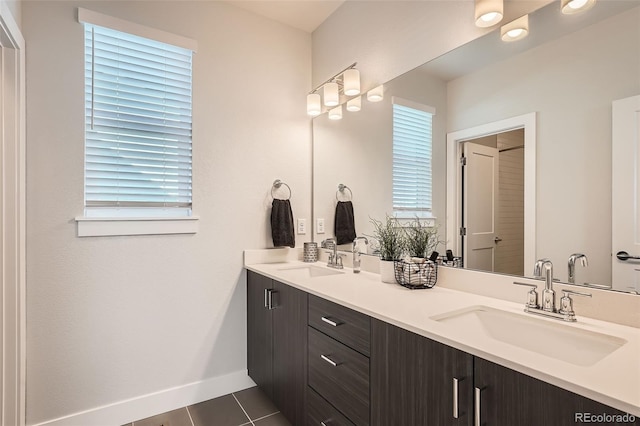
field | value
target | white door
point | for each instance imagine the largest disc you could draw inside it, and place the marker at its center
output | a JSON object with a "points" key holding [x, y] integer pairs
{"points": [[625, 195], [479, 206]]}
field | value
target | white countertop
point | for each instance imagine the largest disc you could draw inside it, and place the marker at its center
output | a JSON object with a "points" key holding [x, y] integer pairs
{"points": [[614, 380]]}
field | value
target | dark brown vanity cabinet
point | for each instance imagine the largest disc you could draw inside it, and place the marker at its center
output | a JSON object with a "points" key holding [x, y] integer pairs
{"points": [[505, 397], [277, 343], [324, 364], [416, 381]]}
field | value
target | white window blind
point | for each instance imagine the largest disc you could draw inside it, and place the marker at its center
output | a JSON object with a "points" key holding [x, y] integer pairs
{"points": [[412, 140], [137, 122]]}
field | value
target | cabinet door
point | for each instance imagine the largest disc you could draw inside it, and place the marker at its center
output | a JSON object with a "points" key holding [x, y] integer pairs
{"points": [[289, 351], [412, 380], [515, 399], [259, 332]]}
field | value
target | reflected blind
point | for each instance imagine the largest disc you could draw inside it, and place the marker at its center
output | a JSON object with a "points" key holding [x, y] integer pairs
{"points": [[412, 135], [137, 121]]}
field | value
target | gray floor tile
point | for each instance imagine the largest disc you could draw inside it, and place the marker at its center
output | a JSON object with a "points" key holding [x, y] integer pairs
{"points": [[222, 411], [255, 403], [275, 420], [178, 417]]}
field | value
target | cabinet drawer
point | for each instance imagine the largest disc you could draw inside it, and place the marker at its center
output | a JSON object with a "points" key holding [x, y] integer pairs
{"points": [[340, 375], [321, 413], [343, 324]]}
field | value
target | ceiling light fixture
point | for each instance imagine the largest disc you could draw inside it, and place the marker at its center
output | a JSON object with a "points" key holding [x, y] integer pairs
{"points": [[351, 80], [515, 30], [488, 12], [570, 7]]}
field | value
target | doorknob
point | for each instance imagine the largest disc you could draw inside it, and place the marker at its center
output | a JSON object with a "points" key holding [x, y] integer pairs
{"points": [[623, 255], [497, 239]]}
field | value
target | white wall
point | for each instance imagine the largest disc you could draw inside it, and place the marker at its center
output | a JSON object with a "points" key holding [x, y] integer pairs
{"points": [[571, 83], [114, 318], [389, 38]]}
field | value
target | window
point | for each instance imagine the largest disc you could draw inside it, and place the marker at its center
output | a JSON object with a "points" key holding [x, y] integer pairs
{"points": [[412, 140], [137, 125]]}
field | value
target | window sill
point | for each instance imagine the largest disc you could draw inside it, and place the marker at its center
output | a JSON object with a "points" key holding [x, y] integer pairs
{"points": [[105, 227]]}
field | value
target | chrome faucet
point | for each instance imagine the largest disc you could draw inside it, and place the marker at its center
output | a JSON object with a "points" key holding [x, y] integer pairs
{"points": [[356, 253], [548, 307], [548, 294], [335, 259], [572, 265]]}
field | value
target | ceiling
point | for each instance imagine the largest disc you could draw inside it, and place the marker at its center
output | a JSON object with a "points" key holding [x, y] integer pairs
{"points": [[305, 15]]}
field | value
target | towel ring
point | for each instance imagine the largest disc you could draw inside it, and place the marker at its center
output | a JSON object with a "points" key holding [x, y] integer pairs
{"points": [[276, 185], [341, 189]]}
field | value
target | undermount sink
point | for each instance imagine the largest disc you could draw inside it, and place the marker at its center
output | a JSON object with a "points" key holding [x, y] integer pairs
{"points": [[556, 340], [311, 271]]}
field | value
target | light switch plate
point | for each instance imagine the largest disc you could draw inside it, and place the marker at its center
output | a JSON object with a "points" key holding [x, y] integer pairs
{"points": [[319, 226], [302, 226]]}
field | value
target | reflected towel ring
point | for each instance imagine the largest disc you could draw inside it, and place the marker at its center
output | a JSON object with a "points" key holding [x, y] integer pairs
{"points": [[276, 185], [341, 189]]}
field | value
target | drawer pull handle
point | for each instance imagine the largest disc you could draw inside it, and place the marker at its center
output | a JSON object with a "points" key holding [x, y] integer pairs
{"points": [[456, 395], [477, 415], [330, 321], [329, 360], [324, 423]]}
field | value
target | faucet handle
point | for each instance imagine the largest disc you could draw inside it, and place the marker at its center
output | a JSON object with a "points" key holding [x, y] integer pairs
{"points": [[532, 296], [576, 293], [566, 303]]}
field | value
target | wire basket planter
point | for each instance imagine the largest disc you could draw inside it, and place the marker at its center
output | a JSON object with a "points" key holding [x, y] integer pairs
{"points": [[416, 275]]}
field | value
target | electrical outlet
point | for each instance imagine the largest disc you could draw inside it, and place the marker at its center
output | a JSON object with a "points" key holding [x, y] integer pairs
{"points": [[320, 226], [302, 226]]}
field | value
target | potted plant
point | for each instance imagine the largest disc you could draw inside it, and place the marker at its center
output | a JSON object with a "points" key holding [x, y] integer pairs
{"points": [[421, 239], [391, 240]]}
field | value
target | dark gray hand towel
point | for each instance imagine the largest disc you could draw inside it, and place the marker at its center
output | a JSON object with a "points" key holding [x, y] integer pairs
{"points": [[282, 224], [344, 224]]}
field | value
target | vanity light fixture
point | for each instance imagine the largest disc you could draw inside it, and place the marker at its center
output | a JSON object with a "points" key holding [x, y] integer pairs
{"points": [[346, 82], [354, 104], [335, 113], [515, 30], [313, 104], [488, 12], [331, 94], [351, 80], [376, 94], [570, 7]]}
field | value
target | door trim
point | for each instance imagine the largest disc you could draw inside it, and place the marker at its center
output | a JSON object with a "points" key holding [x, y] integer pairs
{"points": [[12, 221], [454, 178]]}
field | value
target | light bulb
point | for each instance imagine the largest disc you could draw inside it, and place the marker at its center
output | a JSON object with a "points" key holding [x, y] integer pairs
{"points": [[354, 104], [376, 94], [570, 7], [515, 30], [488, 12], [313, 104], [351, 79], [335, 113], [331, 95]]}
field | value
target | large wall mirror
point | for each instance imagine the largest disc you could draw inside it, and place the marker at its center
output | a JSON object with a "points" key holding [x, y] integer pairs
{"points": [[557, 169]]}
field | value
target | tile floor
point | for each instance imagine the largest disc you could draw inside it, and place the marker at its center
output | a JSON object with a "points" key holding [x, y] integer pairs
{"points": [[249, 407]]}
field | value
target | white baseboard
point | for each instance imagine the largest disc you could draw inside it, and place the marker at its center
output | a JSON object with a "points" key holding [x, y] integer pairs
{"points": [[160, 402]]}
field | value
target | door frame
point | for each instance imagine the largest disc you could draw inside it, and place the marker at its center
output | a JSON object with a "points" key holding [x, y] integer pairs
{"points": [[12, 221], [455, 141]]}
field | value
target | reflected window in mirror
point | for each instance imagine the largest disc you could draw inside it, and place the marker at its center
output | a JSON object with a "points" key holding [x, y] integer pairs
{"points": [[412, 158]]}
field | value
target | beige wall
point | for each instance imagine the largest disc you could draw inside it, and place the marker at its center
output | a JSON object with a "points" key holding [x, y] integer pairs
{"points": [[570, 83], [114, 318]]}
